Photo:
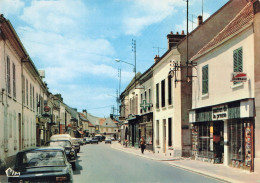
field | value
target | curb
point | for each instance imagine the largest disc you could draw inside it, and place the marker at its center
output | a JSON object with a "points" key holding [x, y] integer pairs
{"points": [[207, 174]]}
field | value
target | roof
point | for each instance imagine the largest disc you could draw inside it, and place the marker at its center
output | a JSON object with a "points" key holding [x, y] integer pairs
{"points": [[93, 119], [82, 117], [101, 121], [109, 123], [243, 18]]}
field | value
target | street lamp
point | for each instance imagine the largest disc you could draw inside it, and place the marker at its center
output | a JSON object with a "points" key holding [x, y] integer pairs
{"points": [[118, 60], [134, 65]]}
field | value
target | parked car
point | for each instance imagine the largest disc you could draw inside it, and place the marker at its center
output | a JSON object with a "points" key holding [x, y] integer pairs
{"points": [[70, 152], [64, 137], [46, 164], [99, 137], [112, 138], [87, 140], [94, 140], [108, 141], [76, 145], [80, 141]]}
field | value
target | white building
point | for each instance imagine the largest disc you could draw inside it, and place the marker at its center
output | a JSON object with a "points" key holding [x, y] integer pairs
{"points": [[222, 113], [22, 95]]}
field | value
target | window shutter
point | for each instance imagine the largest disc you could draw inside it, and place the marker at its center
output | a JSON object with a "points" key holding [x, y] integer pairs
{"points": [[205, 79]]}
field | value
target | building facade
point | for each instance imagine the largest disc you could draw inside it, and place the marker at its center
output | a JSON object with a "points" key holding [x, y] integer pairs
{"points": [[222, 113]]}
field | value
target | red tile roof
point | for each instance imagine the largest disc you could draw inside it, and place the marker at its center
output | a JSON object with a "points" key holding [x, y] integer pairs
{"points": [[243, 18], [90, 124], [101, 121]]}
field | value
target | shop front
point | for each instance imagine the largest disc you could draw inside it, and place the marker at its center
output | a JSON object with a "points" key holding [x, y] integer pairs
{"points": [[134, 130], [146, 127], [224, 134]]}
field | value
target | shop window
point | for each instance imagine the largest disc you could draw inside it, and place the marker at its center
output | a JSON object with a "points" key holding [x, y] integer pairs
{"points": [[236, 140], [205, 79], [157, 132], [204, 140]]}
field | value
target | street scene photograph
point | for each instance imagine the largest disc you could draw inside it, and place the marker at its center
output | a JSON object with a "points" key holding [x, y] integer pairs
{"points": [[130, 91]]}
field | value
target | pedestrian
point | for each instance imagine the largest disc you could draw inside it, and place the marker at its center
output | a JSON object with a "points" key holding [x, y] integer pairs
{"points": [[142, 144]]}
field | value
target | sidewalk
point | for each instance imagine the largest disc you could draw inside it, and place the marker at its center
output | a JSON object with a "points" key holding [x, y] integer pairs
{"points": [[218, 171], [3, 179]]}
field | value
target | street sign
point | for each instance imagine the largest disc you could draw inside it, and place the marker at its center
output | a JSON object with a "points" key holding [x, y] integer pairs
{"points": [[144, 105]]}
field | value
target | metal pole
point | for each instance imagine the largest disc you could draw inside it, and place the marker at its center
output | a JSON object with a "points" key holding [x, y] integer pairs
{"points": [[187, 37]]}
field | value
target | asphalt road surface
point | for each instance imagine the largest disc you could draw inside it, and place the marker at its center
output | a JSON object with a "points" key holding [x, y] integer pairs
{"points": [[101, 163]]}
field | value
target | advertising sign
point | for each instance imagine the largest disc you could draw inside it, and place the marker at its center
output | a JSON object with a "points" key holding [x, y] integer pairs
{"points": [[220, 112], [238, 77]]}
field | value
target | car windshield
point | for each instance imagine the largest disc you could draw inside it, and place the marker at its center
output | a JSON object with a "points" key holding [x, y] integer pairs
{"points": [[40, 158], [60, 143]]}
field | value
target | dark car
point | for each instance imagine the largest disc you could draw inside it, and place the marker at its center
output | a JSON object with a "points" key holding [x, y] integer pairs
{"points": [[47, 164], [70, 152], [94, 140], [108, 141], [87, 140], [75, 144]]}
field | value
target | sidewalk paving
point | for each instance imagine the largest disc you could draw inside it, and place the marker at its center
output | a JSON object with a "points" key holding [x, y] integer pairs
{"points": [[217, 171]]}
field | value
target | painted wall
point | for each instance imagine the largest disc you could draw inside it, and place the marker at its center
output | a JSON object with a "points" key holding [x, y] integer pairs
{"points": [[220, 67]]}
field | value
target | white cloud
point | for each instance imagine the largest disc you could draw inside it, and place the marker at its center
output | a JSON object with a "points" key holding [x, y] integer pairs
{"points": [[147, 12], [12, 7], [55, 16]]}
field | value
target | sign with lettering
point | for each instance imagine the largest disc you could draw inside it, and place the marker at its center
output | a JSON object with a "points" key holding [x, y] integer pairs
{"points": [[238, 77], [220, 112]]}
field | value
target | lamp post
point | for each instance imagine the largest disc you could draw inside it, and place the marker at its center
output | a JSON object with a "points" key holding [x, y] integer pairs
{"points": [[134, 65]]}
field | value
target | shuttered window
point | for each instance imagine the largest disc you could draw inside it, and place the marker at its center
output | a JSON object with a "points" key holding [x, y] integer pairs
{"points": [[157, 95], [238, 61], [205, 79]]}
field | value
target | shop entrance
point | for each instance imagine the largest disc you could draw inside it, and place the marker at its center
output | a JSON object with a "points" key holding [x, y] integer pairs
{"points": [[218, 141]]}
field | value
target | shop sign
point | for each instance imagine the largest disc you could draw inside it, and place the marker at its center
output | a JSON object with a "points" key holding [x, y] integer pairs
{"points": [[144, 105], [220, 112], [238, 77]]}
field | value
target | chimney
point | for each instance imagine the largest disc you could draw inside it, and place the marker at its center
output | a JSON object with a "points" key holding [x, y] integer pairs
{"points": [[173, 39], [84, 112], [156, 58], [199, 20]]}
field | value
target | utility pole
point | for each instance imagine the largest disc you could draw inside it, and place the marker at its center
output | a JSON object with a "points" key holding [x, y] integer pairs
{"points": [[134, 50]]}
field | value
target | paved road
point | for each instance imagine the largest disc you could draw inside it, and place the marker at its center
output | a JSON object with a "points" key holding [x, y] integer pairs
{"points": [[101, 163]]}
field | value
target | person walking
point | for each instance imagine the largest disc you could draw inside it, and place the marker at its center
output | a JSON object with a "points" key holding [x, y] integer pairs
{"points": [[142, 144]]}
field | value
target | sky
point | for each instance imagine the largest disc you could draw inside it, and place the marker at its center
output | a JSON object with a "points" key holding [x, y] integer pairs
{"points": [[76, 42]]}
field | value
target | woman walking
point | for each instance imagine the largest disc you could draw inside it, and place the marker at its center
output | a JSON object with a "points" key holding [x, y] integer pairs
{"points": [[142, 143]]}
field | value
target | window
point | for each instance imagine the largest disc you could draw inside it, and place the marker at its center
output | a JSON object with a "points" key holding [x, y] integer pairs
{"points": [[169, 131], [27, 93], [150, 96], [169, 89], [30, 95], [14, 82], [163, 92], [157, 95], [23, 90], [37, 101], [205, 82], [33, 102], [238, 61], [8, 77]]}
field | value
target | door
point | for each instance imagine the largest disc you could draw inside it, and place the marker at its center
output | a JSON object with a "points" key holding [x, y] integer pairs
{"points": [[164, 135]]}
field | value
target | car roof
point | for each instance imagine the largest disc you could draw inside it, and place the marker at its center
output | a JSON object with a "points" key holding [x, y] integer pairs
{"points": [[56, 148]]}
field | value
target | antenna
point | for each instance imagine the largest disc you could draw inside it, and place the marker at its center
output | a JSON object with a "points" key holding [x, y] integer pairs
{"points": [[159, 48]]}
